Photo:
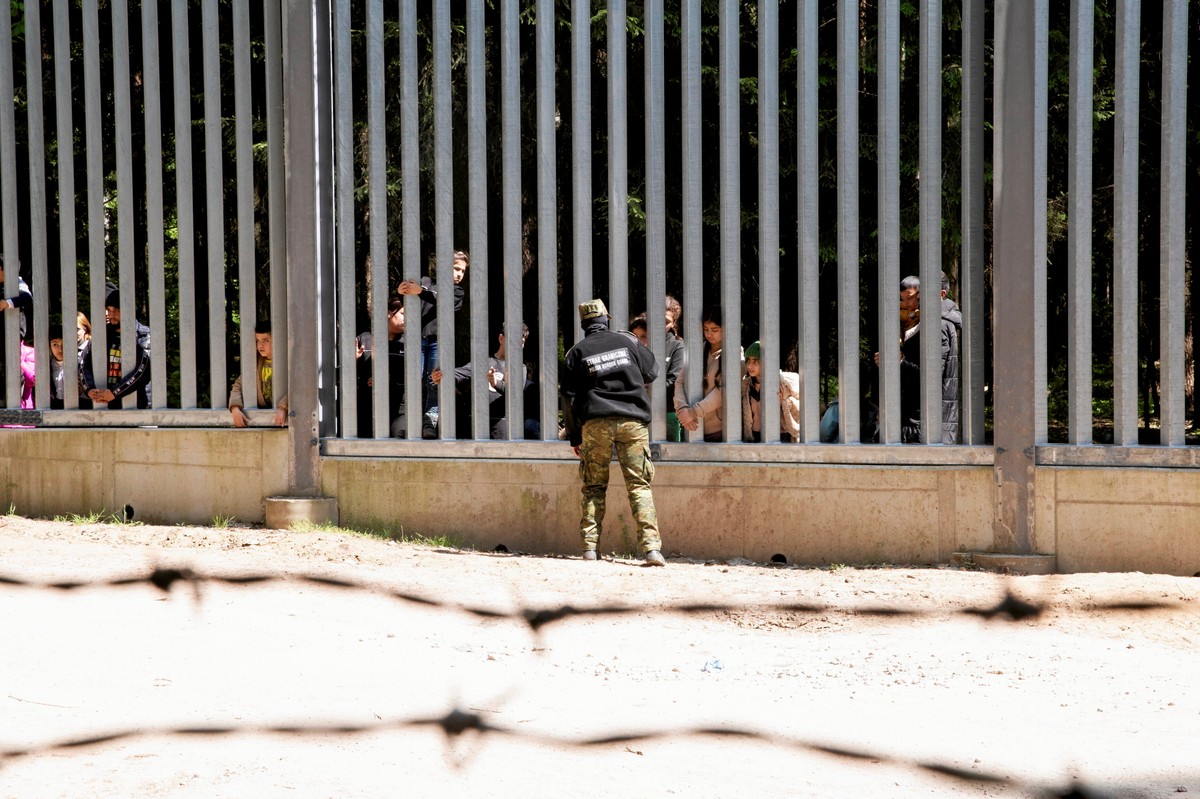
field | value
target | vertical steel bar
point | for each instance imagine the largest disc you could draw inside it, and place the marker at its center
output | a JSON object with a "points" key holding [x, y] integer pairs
{"points": [[96, 221], [65, 142], [156, 281], [185, 224], [214, 211], [443, 217], [247, 310], [581, 154], [930, 202], [889, 221], [656, 211], [123, 125], [547, 238], [39, 268], [243, 143], [347, 269], [1041, 102], [807, 222], [693, 199], [618, 167], [9, 218], [1019, 244], [276, 191], [478, 205], [768, 216], [971, 277], [325, 295], [377, 199], [1079, 219], [1173, 236], [731, 216], [1125, 224], [410, 215], [847, 193], [729, 100], [510, 149], [8, 213], [302, 108]]}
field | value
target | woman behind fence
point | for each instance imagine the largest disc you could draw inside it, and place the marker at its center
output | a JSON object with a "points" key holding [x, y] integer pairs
{"points": [[709, 407], [83, 339]]}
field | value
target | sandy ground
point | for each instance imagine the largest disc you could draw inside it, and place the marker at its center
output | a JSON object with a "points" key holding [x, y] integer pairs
{"points": [[1104, 701]]}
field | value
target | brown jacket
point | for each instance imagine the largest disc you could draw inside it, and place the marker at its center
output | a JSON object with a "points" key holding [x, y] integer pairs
{"points": [[789, 407], [710, 408]]}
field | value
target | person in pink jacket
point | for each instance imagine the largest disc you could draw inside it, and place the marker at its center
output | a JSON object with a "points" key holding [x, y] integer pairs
{"points": [[28, 374]]}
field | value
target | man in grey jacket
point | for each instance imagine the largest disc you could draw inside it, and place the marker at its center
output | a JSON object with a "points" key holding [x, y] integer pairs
{"points": [[910, 364], [952, 320]]}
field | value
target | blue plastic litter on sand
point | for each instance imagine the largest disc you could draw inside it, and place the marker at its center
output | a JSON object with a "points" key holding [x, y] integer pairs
{"points": [[712, 665]]}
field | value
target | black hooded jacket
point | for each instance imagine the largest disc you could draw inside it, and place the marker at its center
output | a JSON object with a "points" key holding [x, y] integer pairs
{"points": [[606, 375], [429, 295]]}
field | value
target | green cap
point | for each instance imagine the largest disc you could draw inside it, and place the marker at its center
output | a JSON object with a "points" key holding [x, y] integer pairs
{"points": [[591, 310], [754, 351]]}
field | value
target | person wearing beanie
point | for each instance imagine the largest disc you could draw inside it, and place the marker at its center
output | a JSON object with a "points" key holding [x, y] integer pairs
{"points": [[604, 382], [118, 385], [789, 399]]}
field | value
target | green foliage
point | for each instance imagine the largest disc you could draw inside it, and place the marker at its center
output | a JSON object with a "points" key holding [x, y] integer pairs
{"points": [[103, 516], [189, 243], [380, 530]]}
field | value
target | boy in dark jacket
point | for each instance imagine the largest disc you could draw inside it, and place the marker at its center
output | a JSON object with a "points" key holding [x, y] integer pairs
{"points": [[117, 385]]}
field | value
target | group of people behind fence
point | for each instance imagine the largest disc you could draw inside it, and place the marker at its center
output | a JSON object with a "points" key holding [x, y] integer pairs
{"points": [[950, 332], [116, 385], [706, 410], [703, 411]]}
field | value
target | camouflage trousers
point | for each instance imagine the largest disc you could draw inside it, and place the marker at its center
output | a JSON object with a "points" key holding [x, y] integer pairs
{"points": [[632, 441]]}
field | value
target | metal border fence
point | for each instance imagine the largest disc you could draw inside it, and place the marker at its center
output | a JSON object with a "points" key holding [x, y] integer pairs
{"points": [[313, 229]]}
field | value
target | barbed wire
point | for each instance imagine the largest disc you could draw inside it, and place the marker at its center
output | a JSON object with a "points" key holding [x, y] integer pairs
{"points": [[1010, 607], [458, 723]]}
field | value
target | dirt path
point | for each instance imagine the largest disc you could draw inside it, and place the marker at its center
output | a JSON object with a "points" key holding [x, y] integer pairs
{"points": [[1110, 700]]}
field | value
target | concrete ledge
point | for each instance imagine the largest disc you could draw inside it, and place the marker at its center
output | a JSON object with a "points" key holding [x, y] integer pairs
{"points": [[1009, 564], [281, 513], [718, 454], [1109, 455], [810, 514]]}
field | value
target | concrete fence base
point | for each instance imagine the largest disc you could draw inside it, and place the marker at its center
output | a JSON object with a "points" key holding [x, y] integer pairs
{"points": [[1086, 518]]}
